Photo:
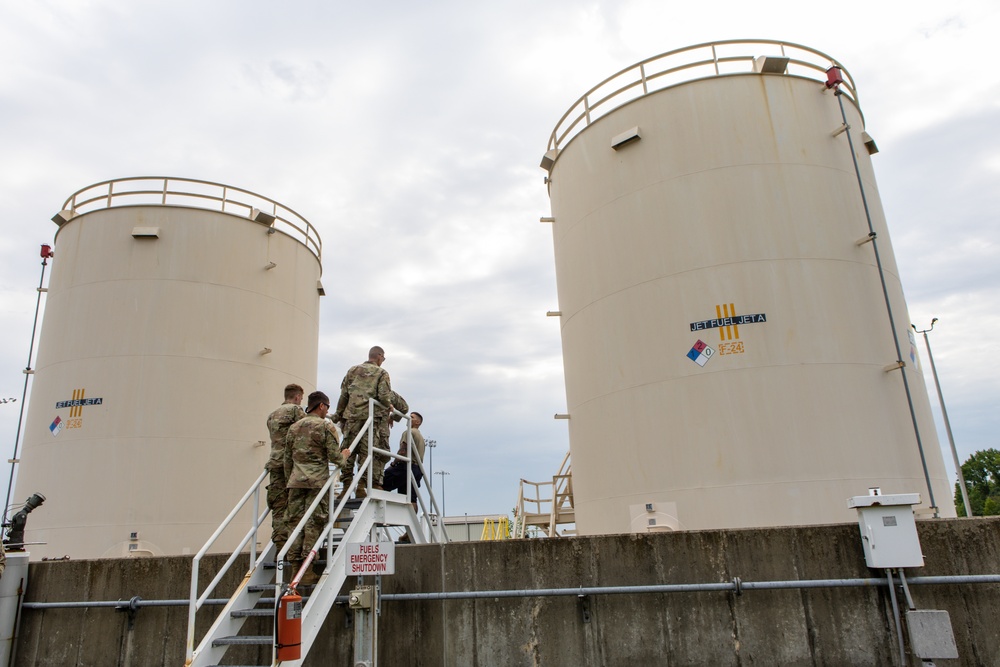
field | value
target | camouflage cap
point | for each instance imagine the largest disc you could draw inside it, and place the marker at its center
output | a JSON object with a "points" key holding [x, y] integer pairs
{"points": [[315, 399]]}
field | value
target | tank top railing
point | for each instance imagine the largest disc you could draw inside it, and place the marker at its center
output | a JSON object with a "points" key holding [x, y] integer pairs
{"points": [[690, 63], [194, 193]]}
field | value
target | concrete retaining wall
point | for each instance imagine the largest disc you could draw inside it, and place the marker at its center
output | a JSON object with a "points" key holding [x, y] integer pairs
{"points": [[842, 626]]}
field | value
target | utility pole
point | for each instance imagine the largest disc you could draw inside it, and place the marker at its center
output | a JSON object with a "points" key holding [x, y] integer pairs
{"points": [[947, 423], [444, 512], [431, 444]]}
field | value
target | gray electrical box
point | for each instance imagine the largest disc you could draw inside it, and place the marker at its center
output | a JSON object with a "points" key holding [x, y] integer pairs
{"points": [[888, 529], [931, 636]]}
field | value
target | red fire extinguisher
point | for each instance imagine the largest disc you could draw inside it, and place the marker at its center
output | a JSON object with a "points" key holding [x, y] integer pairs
{"points": [[288, 627]]}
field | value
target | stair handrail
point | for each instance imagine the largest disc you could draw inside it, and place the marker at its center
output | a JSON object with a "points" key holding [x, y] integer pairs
{"points": [[562, 496], [364, 472], [562, 493], [434, 529], [410, 478], [194, 601]]}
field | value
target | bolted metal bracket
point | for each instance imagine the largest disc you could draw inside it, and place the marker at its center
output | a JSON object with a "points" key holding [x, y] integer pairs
{"points": [[844, 127], [362, 598], [131, 608]]}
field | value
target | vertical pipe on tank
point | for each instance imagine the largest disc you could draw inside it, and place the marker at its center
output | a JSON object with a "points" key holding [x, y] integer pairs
{"points": [[885, 295], [46, 253]]}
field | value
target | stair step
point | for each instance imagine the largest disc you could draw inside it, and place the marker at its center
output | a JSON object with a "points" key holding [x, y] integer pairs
{"points": [[261, 588], [263, 598], [303, 590], [244, 640], [270, 588], [246, 613], [270, 565]]}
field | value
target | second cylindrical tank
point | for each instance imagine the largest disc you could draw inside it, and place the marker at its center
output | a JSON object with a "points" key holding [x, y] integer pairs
{"points": [[729, 359]]}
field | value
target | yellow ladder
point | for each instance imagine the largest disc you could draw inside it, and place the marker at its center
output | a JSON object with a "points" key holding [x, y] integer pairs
{"points": [[498, 529]]}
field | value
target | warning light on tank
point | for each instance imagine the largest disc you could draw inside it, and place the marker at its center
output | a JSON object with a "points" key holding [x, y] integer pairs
{"points": [[47, 251], [834, 77]]}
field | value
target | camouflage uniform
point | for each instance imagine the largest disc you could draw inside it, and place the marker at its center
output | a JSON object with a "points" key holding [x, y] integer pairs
{"points": [[311, 446], [278, 423], [362, 382]]}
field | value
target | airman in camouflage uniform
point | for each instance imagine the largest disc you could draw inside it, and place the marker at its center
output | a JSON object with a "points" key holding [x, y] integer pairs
{"points": [[311, 446], [362, 382], [278, 423]]}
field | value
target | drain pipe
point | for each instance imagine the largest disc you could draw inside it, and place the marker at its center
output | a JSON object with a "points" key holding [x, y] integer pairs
{"points": [[895, 618], [888, 307]]}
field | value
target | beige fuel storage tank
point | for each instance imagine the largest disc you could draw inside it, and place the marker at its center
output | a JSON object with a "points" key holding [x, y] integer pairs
{"points": [[729, 356], [176, 313]]}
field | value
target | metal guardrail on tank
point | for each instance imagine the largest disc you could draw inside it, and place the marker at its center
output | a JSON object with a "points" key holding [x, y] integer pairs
{"points": [[194, 193], [691, 63]]}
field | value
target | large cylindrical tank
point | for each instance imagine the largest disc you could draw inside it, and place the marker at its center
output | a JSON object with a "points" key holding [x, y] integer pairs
{"points": [[728, 352], [176, 312]]}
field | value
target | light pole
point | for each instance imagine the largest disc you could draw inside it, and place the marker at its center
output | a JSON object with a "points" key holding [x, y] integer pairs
{"points": [[432, 444], [444, 512], [947, 423]]}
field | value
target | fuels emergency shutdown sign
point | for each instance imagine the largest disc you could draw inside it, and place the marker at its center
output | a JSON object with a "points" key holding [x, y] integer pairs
{"points": [[366, 558]]}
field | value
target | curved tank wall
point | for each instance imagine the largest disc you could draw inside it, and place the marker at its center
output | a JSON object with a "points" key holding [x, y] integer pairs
{"points": [[160, 357], [733, 199]]}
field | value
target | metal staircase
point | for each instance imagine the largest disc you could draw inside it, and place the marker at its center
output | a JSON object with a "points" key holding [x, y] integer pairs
{"points": [[546, 512], [351, 521]]}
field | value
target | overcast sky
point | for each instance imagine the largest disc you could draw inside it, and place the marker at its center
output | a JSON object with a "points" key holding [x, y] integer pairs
{"points": [[409, 134]]}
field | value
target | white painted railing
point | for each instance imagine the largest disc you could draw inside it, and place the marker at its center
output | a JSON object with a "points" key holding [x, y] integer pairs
{"points": [[431, 528], [690, 63], [196, 602], [194, 193]]}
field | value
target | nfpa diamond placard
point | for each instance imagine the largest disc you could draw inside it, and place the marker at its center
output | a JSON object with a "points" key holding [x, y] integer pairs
{"points": [[700, 353]]}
